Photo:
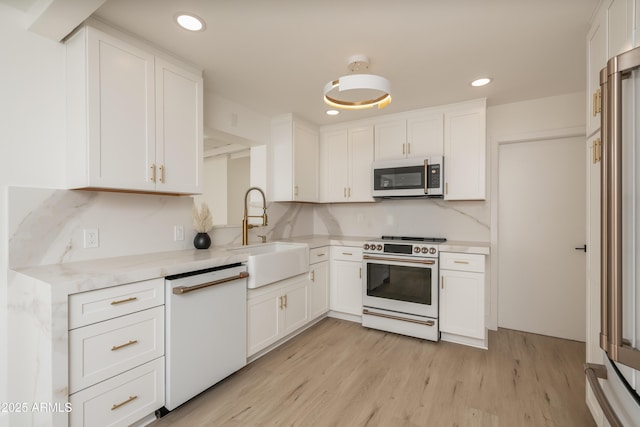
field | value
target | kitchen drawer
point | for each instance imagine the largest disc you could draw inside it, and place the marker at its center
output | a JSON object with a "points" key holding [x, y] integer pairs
{"points": [[105, 349], [102, 304], [346, 253], [461, 262], [121, 400], [318, 255]]}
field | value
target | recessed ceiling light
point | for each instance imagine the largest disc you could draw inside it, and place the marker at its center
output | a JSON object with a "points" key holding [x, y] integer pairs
{"points": [[333, 112], [190, 22], [481, 82]]}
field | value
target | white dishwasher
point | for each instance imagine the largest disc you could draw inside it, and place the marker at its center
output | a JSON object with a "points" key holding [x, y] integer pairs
{"points": [[206, 330]]}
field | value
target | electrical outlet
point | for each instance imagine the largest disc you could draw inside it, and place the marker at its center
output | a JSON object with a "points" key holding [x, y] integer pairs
{"points": [[91, 238], [178, 233]]}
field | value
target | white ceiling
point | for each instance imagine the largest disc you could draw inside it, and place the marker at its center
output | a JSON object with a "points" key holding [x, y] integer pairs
{"points": [[275, 56]]}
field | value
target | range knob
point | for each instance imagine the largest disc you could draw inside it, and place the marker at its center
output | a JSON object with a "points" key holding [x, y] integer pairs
{"points": [[366, 246], [416, 249], [372, 246], [379, 247], [432, 251], [425, 250]]}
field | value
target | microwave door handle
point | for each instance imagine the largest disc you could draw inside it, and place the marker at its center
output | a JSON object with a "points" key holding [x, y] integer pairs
{"points": [[426, 176]]}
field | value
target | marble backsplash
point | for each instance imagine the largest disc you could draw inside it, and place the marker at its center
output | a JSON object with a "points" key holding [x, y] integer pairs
{"points": [[465, 221], [46, 226]]}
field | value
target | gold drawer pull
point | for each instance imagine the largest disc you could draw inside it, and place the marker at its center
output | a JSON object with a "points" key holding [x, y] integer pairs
{"points": [[461, 262], [118, 347], [117, 405], [347, 253], [124, 300]]}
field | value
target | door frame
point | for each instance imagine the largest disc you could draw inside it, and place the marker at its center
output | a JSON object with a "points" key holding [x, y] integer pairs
{"points": [[496, 142]]}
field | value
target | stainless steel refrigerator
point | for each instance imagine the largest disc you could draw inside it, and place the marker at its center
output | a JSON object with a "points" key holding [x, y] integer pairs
{"points": [[615, 383]]}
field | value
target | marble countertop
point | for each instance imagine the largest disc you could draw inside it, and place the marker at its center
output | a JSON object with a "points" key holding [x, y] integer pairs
{"points": [[69, 278]]}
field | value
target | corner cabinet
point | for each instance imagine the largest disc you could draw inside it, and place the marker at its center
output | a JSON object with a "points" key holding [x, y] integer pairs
{"points": [[134, 118], [465, 151], [293, 160], [345, 158]]}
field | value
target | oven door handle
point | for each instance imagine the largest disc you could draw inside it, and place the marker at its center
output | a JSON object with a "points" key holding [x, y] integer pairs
{"points": [[413, 261], [404, 319]]}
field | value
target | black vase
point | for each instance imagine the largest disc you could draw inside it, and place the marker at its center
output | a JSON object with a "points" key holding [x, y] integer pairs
{"points": [[202, 241]]}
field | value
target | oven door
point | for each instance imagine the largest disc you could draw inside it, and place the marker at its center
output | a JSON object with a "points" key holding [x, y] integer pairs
{"points": [[401, 284]]}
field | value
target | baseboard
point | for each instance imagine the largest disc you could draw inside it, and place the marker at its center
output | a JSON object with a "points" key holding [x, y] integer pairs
{"points": [[345, 316]]}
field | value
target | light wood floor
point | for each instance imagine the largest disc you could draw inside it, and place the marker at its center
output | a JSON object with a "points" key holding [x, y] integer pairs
{"points": [[338, 373]]}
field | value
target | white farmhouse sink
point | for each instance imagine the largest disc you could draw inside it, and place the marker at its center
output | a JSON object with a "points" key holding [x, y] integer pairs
{"points": [[274, 261]]}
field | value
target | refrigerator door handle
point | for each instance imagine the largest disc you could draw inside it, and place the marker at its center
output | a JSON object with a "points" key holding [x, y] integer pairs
{"points": [[618, 68]]}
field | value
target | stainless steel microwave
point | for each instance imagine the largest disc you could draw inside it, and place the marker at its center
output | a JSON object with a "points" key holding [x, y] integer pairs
{"points": [[423, 177]]}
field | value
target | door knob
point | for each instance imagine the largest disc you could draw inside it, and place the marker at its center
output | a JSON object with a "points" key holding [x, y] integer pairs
{"points": [[582, 248]]}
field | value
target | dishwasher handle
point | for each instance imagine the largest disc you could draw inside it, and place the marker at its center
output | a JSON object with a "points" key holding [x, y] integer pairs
{"points": [[179, 290]]}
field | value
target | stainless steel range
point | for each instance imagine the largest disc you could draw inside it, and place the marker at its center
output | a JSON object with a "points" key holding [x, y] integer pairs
{"points": [[400, 286]]}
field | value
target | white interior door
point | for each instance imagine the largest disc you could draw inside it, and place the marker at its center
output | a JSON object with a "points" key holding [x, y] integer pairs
{"points": [[541, 220]]}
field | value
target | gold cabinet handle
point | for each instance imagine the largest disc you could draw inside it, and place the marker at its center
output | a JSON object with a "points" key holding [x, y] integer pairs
{"points": [[285, 301], [344, 192], [153, 172], [409, 148], [347, 253], [460, 262], [161, 179], [446, 188], [123, 301], [441, 282], [349, 191], [118, 347], [280, 302], [313, 275], [117, 405], [403, 149], [597, 102], [597, 153], [360, 273]]}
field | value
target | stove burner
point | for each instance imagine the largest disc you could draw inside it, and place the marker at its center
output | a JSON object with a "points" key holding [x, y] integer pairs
{"points": [[416, 239]]}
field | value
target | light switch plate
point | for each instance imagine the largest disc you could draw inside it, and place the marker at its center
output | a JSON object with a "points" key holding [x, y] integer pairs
{"points": [[178, 233]]}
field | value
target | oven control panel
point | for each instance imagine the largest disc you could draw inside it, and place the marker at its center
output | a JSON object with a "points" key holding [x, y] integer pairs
{"points": [[407, 249]]}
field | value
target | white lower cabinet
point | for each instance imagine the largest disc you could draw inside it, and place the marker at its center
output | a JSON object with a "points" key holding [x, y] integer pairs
{"points": [[346, 280], [318, 282], [462, 299], [116, 354], [274, 311], [121, 400]]}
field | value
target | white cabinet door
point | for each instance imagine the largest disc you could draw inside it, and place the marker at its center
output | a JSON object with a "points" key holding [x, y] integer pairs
{"points": [[293, 159], [464, 154], [425, 135], [120, 112], [390, 140], [462, 303], [263, 321], [179, 129], [619, 26], [360, 159], [294, 306], [596, 59], [346, 287], [335, 166], [318, 289], [305, 166]]}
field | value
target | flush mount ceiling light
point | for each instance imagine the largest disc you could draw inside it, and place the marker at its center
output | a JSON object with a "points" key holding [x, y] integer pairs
{"points": [[190, 22], [481, 81], [332, 112], [358, 91]]}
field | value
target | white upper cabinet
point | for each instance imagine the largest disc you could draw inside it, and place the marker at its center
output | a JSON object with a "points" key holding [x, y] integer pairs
{"points": [[465, 152], [293, 158], [415, 136], [178, 129], [611, 33], [346, 157], [134, 119]]}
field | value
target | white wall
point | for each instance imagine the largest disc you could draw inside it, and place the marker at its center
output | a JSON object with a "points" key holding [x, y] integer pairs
{"points": [[214, 188], [545, 118], [32, 129]]}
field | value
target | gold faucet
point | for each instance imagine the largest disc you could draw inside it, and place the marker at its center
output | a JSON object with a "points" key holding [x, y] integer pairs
{"points": [[245, 220]]}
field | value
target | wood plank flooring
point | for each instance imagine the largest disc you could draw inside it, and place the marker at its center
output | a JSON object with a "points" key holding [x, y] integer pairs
{"points": [[338, 373]]}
